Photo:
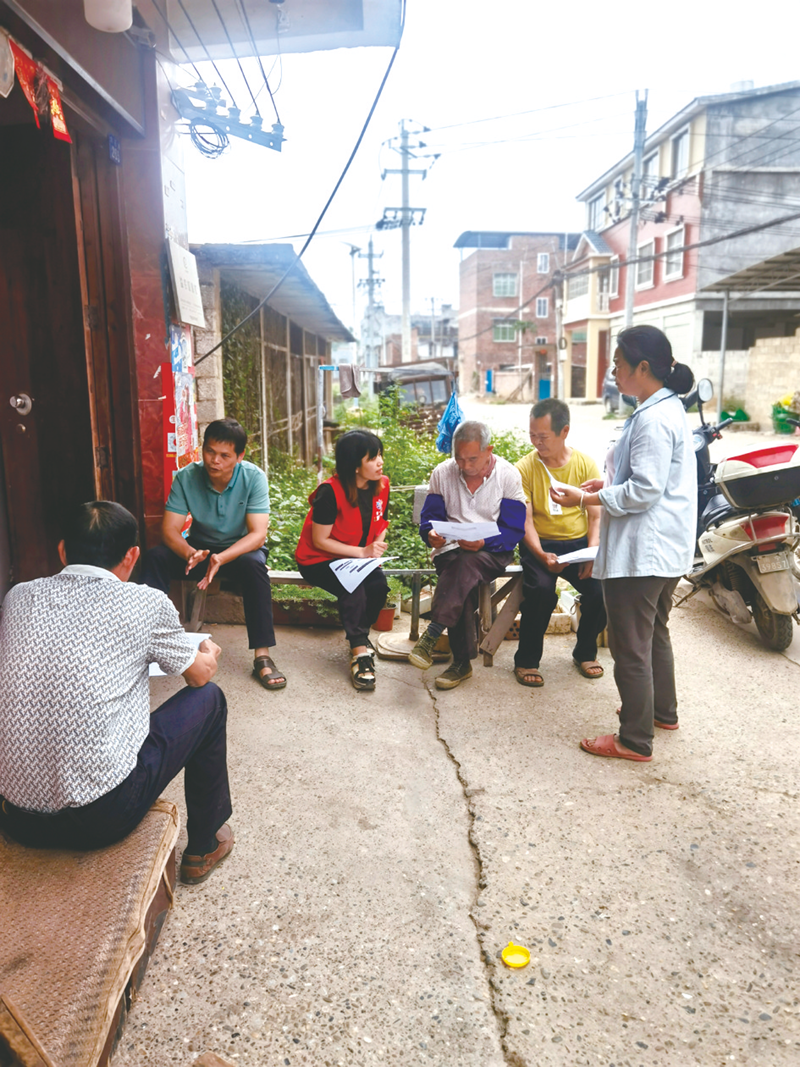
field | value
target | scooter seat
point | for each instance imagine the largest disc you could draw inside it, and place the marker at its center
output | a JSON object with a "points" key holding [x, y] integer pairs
{"points": [[716, 511]]}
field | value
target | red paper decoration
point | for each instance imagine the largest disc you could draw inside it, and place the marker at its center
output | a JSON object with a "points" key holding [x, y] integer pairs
{"points": [[31, 75]]}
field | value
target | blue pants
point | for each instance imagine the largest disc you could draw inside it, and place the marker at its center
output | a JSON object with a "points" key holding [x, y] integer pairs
{"points": [[249, 571], [188, 732]]}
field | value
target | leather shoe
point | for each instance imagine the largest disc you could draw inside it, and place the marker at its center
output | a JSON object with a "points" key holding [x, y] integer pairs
{"points": [[195, 869]]}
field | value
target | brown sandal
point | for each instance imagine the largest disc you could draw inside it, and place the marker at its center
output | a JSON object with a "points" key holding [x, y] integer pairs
{"points": [[259, 663], [523, 674]]}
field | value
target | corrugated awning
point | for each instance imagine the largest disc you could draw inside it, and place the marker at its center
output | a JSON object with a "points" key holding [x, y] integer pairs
{"points": [[256, 268], [780, 273]]}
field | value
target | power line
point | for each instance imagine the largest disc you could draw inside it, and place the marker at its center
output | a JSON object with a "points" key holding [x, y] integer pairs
{"points": [[328, 203], [258, 57], [532, 111], [201, 42], [177, 40], [233, 50]]}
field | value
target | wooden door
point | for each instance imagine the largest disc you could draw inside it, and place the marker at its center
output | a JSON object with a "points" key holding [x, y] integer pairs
{"points": [[45, 424]]}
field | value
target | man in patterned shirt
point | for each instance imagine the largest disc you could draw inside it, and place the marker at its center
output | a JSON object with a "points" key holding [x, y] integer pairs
{"points": [[473, 486], [81, 757]]}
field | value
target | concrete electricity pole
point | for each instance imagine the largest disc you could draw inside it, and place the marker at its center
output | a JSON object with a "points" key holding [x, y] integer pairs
{"points": [[639, 137], [405, 221], [372, 283], [640, 134]]}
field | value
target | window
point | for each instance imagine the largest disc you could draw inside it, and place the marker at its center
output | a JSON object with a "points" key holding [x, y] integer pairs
{"points": [[680, 155], [540, 341], [503, 330], [577, 286], [579, 337], [542, 307], [644, 271], [543, 263], [649, 175], [673, 261], [504, 285], [613, 289], [597, 213]]}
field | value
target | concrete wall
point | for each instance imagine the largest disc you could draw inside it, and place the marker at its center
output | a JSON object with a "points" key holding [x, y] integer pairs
{"points": [[774, 371], [737, 362], [208, 378]]}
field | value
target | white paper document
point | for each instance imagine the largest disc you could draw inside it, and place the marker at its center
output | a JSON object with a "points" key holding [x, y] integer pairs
{"points": [[352, 572], [555, 507], [155, 670], [581, 555], [466, 531]]}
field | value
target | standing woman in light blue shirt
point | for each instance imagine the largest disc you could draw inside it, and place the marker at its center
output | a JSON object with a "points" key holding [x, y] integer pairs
{"points": [[647, 537]]}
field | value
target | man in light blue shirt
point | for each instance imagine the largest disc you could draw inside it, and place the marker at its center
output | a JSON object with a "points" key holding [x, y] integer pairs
{"points": [[228, 501]]}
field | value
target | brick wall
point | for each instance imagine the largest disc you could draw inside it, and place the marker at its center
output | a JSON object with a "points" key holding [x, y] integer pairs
{"points": [[479, 307], [773, 371]]}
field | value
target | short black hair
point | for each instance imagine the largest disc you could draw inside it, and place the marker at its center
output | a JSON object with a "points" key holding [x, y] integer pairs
{"points": [[226, 431], [556, 409], [99, 533]]}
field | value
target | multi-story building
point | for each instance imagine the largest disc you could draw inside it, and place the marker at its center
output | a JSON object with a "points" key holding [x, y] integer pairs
{"points": [[507, 316], [719, 179]]}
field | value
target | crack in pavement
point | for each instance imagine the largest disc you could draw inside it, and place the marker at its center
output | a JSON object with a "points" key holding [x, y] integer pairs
{"points": [[501, 1018]]}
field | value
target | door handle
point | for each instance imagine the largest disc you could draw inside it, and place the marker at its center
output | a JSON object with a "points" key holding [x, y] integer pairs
{"points": [[21, 403]]}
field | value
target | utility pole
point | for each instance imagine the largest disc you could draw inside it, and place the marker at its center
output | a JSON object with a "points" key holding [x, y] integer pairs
{"points": [[432, 353], [639, 137], [372, 283], [354, 249], [406, 219], [640, 133]]}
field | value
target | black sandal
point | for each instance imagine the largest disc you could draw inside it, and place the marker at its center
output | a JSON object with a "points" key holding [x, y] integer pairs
{"points": [[362, 671], [259, 663]]}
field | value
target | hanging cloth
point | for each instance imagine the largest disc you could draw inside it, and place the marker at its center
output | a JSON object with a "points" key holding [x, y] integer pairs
{"points": [[347, 380]]}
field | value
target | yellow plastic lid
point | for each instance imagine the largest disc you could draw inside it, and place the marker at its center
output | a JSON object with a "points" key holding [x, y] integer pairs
{"points": [[515, 955]]}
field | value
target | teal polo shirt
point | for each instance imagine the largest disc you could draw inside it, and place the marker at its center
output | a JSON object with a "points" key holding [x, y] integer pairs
{"points": [[219, 519]]}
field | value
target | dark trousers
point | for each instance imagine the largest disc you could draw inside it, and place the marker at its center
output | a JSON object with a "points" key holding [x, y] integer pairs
{"points": [[540, 599], [188, 732], [455, 599], [249, 571], [638, 612], [358, 610]]}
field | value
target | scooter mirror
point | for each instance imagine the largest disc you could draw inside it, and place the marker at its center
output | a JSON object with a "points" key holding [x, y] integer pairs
{"points": [[705, 390]]}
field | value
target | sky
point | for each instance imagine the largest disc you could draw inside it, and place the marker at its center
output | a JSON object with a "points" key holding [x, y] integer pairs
{"points": [[526, 105]]}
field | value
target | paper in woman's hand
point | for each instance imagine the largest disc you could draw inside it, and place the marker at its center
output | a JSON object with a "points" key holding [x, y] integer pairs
{"points": [[580, 555], [352, 572]]}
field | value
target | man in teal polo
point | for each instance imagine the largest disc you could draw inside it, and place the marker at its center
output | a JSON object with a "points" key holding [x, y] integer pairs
{"points": [[228, 500]]}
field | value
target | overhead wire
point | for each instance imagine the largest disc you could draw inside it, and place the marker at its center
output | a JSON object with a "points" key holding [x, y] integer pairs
{"points": [[241, 3], [233, 50], [328, 202], [177, 40], [201, 42]]}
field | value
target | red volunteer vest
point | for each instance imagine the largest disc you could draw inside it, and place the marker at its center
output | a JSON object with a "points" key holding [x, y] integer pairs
{"points": [[347, 526]]}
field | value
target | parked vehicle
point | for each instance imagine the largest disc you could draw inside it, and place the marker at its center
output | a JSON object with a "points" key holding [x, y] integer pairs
{"points": [[610, 393], [747, 531], [427, 385]]}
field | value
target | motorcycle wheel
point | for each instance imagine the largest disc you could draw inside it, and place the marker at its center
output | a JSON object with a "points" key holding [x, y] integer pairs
{"points": [[775, 630]]}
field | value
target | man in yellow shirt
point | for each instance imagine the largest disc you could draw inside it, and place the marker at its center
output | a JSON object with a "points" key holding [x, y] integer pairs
{"points": [[551, 531]]}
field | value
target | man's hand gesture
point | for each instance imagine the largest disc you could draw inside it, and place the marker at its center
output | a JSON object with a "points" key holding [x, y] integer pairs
{"points": [[214, 563], [197, 556], [436, 540], [471, 546]]}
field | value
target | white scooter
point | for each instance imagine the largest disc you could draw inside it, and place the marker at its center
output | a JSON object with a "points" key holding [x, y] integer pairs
{"points": [[746, 531]]}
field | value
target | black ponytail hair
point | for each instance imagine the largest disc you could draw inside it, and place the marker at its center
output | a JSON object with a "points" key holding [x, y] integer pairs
{"points": [[647, 343]]}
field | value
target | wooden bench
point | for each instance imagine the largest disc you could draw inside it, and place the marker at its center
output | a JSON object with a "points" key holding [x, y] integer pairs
{"points": [[78, 930], [492, 625]]}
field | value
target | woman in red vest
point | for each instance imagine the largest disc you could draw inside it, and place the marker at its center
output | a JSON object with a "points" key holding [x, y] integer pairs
{"points": [[348, 520]]}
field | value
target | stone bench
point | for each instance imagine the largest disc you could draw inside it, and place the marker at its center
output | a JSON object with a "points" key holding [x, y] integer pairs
{"points": [[78, 929]]}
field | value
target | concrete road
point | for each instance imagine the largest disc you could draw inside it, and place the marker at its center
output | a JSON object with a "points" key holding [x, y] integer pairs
{"points": [[389, 845]]}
